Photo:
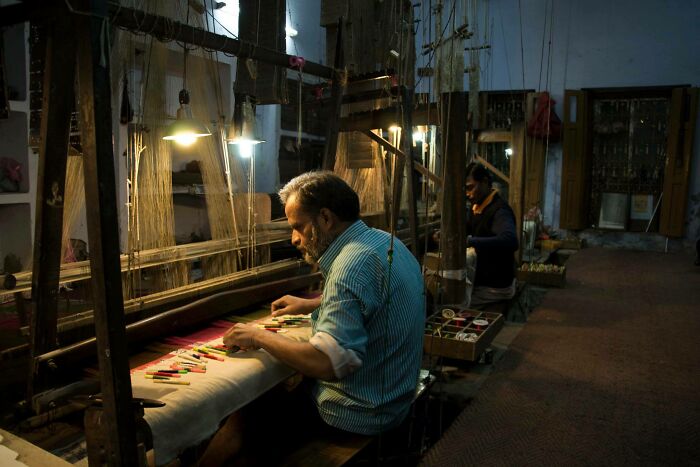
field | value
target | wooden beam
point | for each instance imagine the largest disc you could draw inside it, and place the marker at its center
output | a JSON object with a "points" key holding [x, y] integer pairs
{"points": [[336, 103], [493, 136], [58, 101], [80, 270], [165, 29], [516, 188], [420, 168], [492, 168], [411, 179], [191, 314], [453, 236], [424, 114], [95, 118], [396, 191], [159, 302]]}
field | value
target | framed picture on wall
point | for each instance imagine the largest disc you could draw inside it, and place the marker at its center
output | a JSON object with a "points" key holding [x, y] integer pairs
{"points": [[641, 207], [613, 211]]}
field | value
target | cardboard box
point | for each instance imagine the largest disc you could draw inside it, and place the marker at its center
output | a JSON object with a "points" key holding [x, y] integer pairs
{"points": [[439, 338]]}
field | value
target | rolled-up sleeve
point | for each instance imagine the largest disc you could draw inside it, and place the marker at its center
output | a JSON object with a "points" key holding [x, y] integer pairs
{"points": [[344, 361], [350, 297]]}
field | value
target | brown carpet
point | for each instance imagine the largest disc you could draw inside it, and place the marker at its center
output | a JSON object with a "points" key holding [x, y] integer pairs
{"points": [[606, 372]]}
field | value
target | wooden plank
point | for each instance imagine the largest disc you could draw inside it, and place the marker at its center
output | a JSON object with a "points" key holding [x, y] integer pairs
{"points": [[28, 453], [575, 172], [103, 232], [534, 172], [516, 189], [423, 114], [492, 168], [535, 157], [157, 302], [396, 191], [80, 270], [679, 150], [494, 136], [329, 450], [58, 100], [171, 297], [336, 102], [453, 237], [420, 168], [193, 313]]}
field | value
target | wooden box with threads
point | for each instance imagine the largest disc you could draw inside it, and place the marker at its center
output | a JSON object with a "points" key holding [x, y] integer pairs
{"points": [[461, 334], [547, 275]]}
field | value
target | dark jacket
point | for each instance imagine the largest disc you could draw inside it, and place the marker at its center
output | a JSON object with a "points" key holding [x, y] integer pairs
{"points": [[495, 240]]}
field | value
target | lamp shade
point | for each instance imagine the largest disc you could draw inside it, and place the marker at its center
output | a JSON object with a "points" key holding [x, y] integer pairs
{"points": [[243, 129], [186, 129]]}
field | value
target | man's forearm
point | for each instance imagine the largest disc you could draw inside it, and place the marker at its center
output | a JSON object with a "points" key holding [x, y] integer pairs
{"points": [[314, 303], [301, 356]]}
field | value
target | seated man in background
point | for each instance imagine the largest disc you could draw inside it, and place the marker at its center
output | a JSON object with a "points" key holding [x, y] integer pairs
{"points": [[491, 240], [366, 342]]}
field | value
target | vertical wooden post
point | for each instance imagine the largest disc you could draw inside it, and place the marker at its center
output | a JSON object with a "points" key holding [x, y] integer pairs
{"points": [[411, 175], [453, 235], [336, 102], [516, 189], [103, 231], [58, 100], [679, 153]]}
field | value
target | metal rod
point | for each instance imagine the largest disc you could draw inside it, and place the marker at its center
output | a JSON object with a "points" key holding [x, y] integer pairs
{"points": [[653, 214]]}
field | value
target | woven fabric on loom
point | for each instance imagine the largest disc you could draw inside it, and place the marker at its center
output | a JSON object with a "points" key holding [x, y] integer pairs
{"points": [[193, 412]]}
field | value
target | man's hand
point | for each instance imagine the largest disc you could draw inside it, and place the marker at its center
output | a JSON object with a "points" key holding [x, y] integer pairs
{"points": [[290, 305], [243, 336]]}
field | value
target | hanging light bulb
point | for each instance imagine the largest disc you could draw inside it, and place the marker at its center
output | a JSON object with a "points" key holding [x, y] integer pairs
{"points": [[246, 149], [242, 132], [186, 129]]}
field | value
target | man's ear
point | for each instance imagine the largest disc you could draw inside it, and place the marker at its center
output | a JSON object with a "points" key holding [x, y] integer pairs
{"points": [[327, 219]]}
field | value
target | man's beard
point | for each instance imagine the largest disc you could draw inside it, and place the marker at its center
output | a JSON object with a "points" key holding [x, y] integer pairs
{"points": [[317, 245]]}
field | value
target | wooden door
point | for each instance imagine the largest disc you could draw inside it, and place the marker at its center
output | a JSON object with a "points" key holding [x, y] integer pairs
{"points": [[576, 162], [679, 152]]}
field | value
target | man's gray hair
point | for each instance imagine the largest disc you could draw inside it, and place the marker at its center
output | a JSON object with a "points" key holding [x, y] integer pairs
{"points": [[323, 189]]}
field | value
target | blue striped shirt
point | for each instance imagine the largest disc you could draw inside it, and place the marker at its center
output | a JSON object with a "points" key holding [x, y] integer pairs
{"points": [[385, 330]]}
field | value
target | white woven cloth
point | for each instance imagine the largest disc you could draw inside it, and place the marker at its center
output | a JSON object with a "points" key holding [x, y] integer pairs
{"points": [[193, 413]]}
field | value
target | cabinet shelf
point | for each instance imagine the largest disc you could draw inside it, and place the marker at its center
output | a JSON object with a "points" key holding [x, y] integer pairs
{"points": [[15, 198], [19, 106]]}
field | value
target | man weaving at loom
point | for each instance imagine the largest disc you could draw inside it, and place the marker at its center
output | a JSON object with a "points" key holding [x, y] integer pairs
{"points": [[367, 328], [491, 240]]}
